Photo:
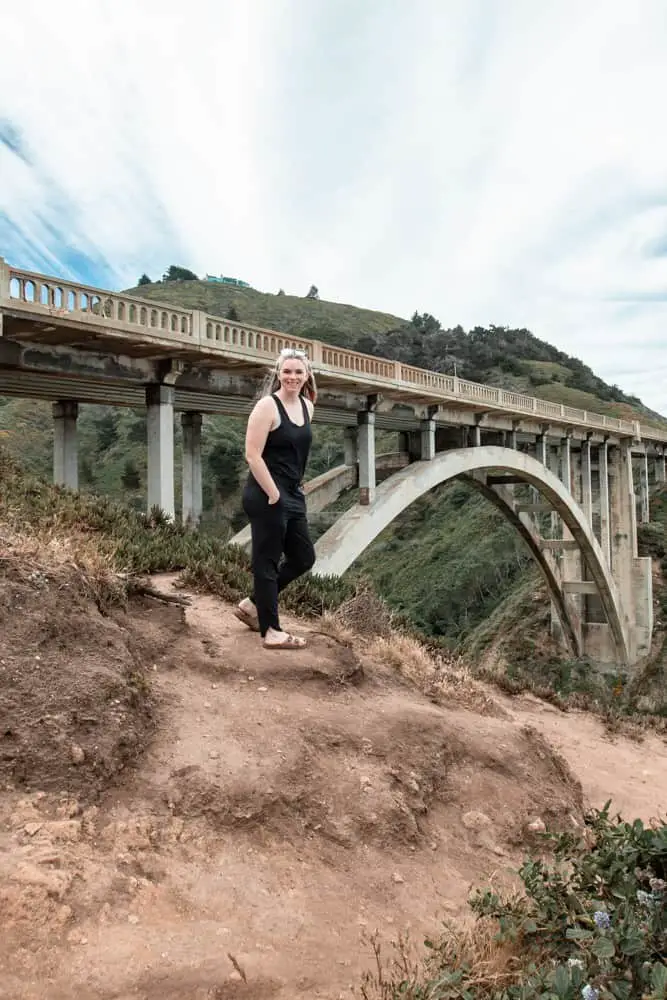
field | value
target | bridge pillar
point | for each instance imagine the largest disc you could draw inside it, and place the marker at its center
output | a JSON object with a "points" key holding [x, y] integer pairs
{"points": [[4, 285], [192, 478], [586, 480], [350, 446], [427, 440], [160, 428], [65, 449], [571, 562], [541, 449], [660, 474], [605, 533], [644, 513], [631, 574], [366, 448], [566, 462]]}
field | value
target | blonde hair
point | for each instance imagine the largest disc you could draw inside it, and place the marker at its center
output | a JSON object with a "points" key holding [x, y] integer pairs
{"points": [[272, 381]]}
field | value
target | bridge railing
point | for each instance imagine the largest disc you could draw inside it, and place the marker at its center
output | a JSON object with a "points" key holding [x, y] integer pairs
{"points": [[213, 334], [64, 298]]}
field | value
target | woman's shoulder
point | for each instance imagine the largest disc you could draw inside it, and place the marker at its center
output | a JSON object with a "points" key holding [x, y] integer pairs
{"points": [[265, 406]]}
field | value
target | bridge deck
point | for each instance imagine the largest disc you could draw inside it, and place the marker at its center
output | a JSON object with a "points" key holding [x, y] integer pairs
{"points": [[35, 308]]}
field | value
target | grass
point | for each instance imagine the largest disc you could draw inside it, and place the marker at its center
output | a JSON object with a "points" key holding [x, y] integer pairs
{"points": [[556, 392], [119, 544], [332, 322]]}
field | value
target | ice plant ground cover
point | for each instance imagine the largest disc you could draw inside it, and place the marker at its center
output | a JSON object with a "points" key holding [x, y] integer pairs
{"points": [[590, 924]]}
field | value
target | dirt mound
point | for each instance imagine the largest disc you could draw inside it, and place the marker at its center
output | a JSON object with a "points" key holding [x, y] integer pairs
{"points": [[75, 701], [282, 807]]}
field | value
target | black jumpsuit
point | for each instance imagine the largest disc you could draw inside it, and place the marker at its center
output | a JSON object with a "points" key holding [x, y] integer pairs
{"points": [[281, 528]]}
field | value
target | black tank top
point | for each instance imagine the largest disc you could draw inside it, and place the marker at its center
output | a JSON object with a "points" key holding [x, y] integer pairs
{"points": [[287, 447]]}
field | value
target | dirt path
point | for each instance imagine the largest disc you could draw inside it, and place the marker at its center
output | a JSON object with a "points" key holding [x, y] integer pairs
{"points": [[289, 805], [632, 774]]}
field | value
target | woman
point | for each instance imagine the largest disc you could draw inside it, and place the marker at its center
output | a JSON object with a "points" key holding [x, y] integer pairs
{"points": [[278, 440]]}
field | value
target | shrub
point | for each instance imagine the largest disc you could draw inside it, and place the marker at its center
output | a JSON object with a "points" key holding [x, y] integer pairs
{"points": [[589, 925]]}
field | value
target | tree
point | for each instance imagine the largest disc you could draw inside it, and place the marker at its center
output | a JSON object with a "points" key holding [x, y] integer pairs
{"points": [[281, 291], [232, 313], [130, 477], [176, 273], [225, 463], [313, 293], [144, 280]]}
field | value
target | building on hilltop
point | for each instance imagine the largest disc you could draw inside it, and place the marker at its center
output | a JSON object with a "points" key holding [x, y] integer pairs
{"points": [[222, 280]]}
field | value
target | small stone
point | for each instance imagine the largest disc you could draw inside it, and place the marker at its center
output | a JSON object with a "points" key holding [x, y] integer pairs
{"points": [[77, 754], [207, 704], [474, 820], [262, 689], [32, 828], [397, 877], [537, 826], [133, 919], [213, 754], [64, 829]]}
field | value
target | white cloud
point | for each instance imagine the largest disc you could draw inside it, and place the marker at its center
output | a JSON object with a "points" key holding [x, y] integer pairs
{"points": [[490, 163]]}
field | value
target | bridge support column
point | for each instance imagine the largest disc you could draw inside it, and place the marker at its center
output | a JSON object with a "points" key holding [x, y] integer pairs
{"points": [[350, 446], [631, 574], [366, 447], [605, 533], [660, 472], [586, 480], [427, 440], [566, 462], [192, 478], [644, 513], [65, 449], [570, 559], [160, 428], [541, 449]]}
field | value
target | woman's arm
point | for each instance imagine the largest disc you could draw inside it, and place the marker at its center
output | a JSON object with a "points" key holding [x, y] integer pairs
{"points": [[260, 422]]}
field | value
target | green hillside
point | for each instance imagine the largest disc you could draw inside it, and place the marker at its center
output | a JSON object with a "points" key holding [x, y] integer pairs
{"points": [[329, 321]]}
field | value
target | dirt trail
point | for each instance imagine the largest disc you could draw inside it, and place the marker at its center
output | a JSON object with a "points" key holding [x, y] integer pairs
{"points": [[287, 805]]}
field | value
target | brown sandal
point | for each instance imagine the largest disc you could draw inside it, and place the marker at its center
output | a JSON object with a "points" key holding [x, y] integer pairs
{"points": [[290, 642], [250, 620]]}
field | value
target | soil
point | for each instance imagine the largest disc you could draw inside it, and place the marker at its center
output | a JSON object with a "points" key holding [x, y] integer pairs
{"points": [[186, 816]]}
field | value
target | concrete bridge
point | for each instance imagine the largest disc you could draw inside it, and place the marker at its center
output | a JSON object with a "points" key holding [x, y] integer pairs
{"points": [[564, 477]]}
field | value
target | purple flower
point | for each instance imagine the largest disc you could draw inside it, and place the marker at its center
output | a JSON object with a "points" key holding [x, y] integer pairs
{"points": [[602, 920], [589, 992]]}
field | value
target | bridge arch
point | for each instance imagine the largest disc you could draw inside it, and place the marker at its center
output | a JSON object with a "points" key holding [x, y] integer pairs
{"points": [[344, 542]]}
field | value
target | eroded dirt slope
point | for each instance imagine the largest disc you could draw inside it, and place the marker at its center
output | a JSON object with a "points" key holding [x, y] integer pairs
{"points": [[237, 822]]}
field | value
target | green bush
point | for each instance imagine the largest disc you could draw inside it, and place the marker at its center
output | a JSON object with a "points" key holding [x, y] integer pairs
{"points": [[590, 924]]}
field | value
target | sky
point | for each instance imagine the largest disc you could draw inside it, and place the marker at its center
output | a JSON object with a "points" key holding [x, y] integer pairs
{"points": [[487, 161]]}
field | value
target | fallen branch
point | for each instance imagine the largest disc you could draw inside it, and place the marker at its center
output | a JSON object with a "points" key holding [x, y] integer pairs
{"points": [[145, 590]]}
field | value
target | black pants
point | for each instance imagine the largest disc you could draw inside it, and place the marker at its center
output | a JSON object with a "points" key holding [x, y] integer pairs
{"points": [[278, 530]]}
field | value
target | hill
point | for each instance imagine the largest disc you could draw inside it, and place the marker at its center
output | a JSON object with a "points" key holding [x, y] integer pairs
{"points": [[185, 817], [333, 322]]}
